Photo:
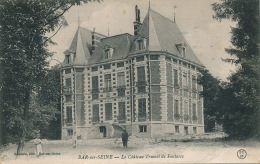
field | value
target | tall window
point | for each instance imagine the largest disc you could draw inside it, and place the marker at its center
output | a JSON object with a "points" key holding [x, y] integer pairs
{"points": [[194, 111], [120, 78], [142, 109], [199, 86], [108, 82], [121, 84], [176, 107], [175, 77], [95, 112], [186, 108], [193, 82], [184, 79], [141, 79], [69, 115], [121, 109], [68, 82], [95, 87], [108, 110]]}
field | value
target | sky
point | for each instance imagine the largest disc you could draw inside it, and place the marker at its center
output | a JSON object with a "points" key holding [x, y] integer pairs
{"points": [[207, 37]]}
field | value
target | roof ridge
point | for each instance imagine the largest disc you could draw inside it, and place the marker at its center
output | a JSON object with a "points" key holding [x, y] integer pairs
{"points": [[163, 16], [115, 36], [92, 31]]}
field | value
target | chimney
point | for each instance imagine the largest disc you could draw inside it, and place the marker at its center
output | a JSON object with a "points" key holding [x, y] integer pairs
{"points": [[137, 23], [96, 37]]}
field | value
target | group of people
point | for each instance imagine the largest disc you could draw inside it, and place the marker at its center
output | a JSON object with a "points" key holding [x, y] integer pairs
{"points": [[124, 139], [38, 142]]}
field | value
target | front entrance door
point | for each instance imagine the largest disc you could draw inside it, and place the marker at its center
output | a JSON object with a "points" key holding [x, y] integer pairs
{"points": [[103, 131], [186, 130]]}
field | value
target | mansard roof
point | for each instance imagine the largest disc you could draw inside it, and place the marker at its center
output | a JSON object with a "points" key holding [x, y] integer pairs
{"points": [[163, 35], [120, 44]]}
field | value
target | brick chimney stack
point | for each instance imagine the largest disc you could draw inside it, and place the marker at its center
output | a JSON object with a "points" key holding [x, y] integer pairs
{"points": [[137, 23]]}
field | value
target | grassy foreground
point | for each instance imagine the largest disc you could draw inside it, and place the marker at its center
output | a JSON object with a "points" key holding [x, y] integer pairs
{"points": [[189, 149]]}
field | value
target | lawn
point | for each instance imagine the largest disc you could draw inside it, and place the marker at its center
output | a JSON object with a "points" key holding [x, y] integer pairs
{"points": [[188, 149]]}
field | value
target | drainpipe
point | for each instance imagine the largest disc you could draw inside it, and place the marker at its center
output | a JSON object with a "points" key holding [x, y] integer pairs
{"points": [[150, 94], [132, 90]]}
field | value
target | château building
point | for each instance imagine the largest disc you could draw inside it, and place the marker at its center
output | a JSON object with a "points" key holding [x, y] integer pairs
{"points": [[145, 83]]}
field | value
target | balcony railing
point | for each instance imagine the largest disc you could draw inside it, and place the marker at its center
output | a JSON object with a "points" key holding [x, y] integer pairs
{"points": [[176, 116], [141, 83], [185, 88], [67, 90], [195, 118], [107, 89], [186, 117], [95, 90], [95, 120], [68, 122], [121, 87], [177, 86]]}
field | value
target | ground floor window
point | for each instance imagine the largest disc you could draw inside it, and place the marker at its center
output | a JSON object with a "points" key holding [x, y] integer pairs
{"points": [[70, 132], [177, 129], [195, 130], [143, 129]]}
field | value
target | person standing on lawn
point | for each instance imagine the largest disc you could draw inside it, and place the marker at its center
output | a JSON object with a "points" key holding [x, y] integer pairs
{"points": [[125, 138], [74, 140], [38, 145]]}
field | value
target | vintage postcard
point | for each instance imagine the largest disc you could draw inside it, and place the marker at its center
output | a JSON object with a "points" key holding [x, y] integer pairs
{"points": [[124, 84]]}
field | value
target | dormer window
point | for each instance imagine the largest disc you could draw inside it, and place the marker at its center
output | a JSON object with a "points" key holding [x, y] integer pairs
{"points": [[108, 52], [67, 59], [182, 49], [140, 44], [69, 56]]}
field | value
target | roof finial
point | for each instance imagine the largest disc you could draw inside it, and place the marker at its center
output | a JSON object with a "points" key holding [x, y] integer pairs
{"points": [[149, 5], [174, 12], [108, 29]]}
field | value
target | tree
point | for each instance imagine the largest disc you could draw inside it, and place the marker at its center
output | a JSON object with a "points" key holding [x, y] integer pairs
{"points": [[23, 43], [210, 93], [241, 114], [49, 93]]}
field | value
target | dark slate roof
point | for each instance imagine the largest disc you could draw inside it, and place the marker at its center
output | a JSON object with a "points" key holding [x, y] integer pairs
{"points": [[86, 39], [81, 46], [121, 44], [162, 35]]}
